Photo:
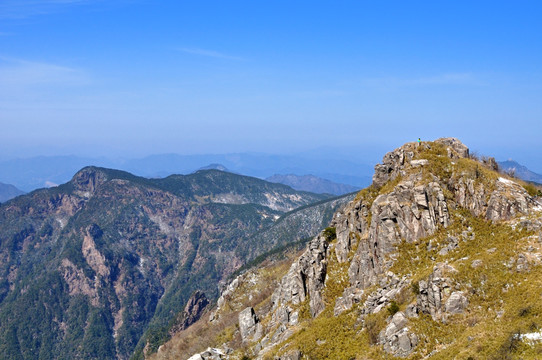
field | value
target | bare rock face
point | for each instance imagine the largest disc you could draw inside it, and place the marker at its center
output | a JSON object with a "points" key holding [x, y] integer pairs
{"points": [[306, 277], [381, 298], [393, 164], [415, 208], [193, 310], [409, 212], [305, 280], [249, 325], [396, 337], [470, 196], [345, 302], [349, 224], [224, 297], [456, 303], [508, 200], [456, 149], [210, 354], [437, 288]]}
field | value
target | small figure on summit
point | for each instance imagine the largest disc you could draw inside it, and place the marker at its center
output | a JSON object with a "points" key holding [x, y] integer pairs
{"points": [[419, 141]]}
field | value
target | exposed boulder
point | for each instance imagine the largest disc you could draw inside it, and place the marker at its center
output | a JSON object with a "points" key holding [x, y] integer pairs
{"points": [[210, 354], [453, 243], [507, 200], [420, 162], [249, 325], [456, 303], [396, 337], [435, 295], [387, 292], [456, 149], [345, 302]]}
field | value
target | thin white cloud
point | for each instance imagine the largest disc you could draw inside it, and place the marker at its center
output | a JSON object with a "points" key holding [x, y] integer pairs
{"points": [[19, 73], [210, 53]]}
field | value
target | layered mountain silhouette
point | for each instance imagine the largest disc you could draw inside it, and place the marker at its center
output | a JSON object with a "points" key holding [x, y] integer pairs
{"points": [[313, 184]]}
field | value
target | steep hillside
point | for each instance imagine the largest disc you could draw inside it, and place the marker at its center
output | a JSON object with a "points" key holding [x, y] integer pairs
{"points": [[440, 258], [313, 184], [101, 266], [8, 192]]}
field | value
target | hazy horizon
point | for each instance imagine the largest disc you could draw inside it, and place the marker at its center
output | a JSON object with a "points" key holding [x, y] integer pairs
{"points": [[132, 78]]}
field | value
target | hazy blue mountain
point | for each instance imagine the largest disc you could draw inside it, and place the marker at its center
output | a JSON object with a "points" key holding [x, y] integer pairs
{"points": [[45, 171], [520, 171], [313, 184], [38, 172], [8, 191]]}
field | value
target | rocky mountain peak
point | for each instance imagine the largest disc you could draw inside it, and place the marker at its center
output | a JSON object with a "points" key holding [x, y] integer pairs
{"points": [[427, 247], [397, 161]]}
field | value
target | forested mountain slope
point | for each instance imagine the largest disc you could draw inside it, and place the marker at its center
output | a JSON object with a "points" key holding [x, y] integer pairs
{"points": [[100, 267]]}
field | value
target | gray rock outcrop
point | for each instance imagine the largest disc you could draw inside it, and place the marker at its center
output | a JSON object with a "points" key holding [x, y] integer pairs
{"points": [[408, 212], [249, 325], [306, 278], [350, 224], [210, 354], [395, 162], [414, 206], [435, 294], [456, 303], [508, 200], [396, 337], [456, 149]]}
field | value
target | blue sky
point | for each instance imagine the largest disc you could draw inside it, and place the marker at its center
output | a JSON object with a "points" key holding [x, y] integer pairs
{"points": [[138, 77]]}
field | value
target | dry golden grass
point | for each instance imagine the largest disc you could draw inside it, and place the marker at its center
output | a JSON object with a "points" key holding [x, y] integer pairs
{"points": [[203, 334]]}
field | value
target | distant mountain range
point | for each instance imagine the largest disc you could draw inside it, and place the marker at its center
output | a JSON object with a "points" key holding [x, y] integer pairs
{"points": [[8, 192], [313, 184], [520, 171], [45, 171]]}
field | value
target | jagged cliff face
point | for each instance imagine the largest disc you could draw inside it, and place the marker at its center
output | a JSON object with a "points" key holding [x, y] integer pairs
{"points": [[104, 265], [438, 252]]}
